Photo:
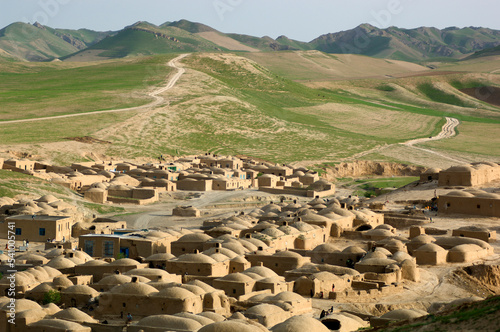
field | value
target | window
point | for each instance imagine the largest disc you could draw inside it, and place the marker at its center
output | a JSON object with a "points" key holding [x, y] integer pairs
{"points": [[478, 206], [108, 249], [88, 247], [18, 231], [41, 231]]}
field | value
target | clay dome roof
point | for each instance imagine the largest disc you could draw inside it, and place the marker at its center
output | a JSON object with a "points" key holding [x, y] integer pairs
{"points": [[42, 288], [423, 238], [286, 253], [56, 325], [375, 254], [263, 309], [325, 247], [466, 248], [47, 199], [300, 324], [206, 287], [237, 277], [95, 262], [377, 262], [61, 262], [430, 247], [354, 250], [115, 279], [169, 322], [80, 289], [124, 262], [232, 325], [195, 258], [62, 281], [134, 288], [273, 232], [30, 257], [200, 319], [460, 169], [287, 297], [400, 256], [213, 316], [263, 271], [160, 257], [457, 193], [74, 315], [21, 305], [194, 237], [175, 292]]}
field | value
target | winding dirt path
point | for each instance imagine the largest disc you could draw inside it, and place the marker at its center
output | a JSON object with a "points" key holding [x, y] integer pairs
{"points": [[447, 131], [155, 94]]}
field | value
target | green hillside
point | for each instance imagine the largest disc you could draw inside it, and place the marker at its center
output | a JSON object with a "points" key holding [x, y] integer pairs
{"points": [[147, 39], [27, 42], [408, 44], [487, 52], [189, 26]]}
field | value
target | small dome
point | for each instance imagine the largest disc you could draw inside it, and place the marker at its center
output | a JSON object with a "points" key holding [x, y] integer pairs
{"points": [[134, 288]]}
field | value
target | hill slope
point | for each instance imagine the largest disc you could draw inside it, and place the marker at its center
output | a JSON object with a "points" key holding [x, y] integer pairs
{"points": [[408, 44], [40, 43]]}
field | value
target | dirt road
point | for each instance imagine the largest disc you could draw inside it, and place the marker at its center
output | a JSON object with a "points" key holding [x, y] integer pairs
{"points": [[155, 94], [447, 131]]}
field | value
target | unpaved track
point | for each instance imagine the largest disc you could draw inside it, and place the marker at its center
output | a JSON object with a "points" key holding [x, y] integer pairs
{"points": [[447, 131], [155, 94]]}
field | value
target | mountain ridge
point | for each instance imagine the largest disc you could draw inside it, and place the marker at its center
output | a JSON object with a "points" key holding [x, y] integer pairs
{"points": [[414, 45]]}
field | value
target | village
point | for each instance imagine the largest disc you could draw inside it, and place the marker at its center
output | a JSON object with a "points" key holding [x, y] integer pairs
{"points": [[284, 250]]}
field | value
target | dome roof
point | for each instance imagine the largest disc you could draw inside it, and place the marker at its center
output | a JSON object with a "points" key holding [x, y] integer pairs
{"points": [[124, 262], [300, 324], [74, 315], [62, 281], [169, 322], [463, 248], [326, 247], [400, 256], [80, 289], [287, 297], [237, 277], [263, 309], [206, 287], [460, 169], [354, 250], [61, 262], [195, 258], [134, 288], [160, 257], [56, 324], [195, 237], [430, 247], [175, 292], [47, 199], [263, 271], [233, 325]]}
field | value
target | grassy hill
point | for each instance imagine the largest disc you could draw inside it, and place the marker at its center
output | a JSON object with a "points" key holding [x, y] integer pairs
{"points": [[252, 104], [27, 42], [408, 44], [40, 43], [29, 90], [144, 38]]}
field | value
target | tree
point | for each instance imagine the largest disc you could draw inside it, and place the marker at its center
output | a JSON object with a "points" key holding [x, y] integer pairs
{"points": [[52, 296]]}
